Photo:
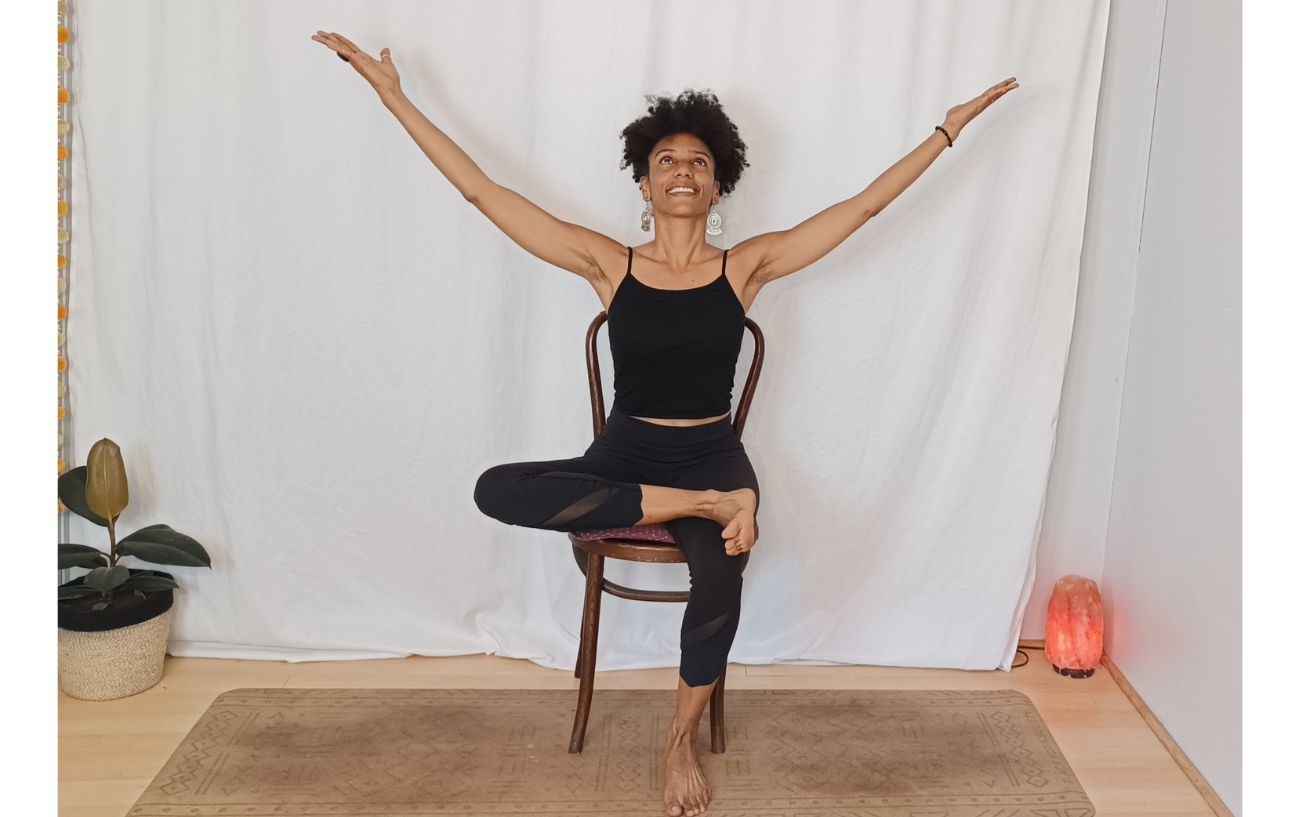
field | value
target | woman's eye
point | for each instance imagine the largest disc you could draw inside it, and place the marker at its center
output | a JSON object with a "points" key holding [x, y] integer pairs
{"points": [[699, 159]]}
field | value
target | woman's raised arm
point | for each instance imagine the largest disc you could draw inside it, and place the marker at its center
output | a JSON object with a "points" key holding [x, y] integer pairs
{"points": [[556, 242]]}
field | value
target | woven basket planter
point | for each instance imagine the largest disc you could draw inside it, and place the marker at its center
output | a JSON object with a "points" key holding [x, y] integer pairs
{"points": [[111, 653]]}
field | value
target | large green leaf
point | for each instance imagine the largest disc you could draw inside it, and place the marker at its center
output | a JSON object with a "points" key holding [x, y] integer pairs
{"points": [[149, 584], [107, 579], [72, 492], [161, 545], [77, 591], [106, 491], [80, 556]]}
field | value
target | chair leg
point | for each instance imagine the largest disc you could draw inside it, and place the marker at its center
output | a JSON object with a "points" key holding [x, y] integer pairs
{"points": [[577, 664], [716, 732], [582, 641], [587, 655]]}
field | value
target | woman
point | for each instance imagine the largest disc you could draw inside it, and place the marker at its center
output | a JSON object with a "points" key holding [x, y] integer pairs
{"points": [[668, 452]]}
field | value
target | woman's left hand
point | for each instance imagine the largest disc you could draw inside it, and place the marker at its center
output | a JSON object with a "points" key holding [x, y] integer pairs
{"points": [[959, 116]]}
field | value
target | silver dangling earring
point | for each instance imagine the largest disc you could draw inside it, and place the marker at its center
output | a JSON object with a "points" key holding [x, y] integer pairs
{"points": [[645, 217], [715, 221]]}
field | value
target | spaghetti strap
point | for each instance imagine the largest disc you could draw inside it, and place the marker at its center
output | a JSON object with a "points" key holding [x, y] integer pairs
{"points": [[629, 258], [724, 261]]}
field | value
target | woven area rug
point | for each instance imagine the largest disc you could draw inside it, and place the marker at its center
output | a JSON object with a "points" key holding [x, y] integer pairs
{"points": [[790, 753]]}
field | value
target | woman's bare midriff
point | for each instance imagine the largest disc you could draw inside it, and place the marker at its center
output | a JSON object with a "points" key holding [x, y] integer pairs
{"points": [[675, 422]]}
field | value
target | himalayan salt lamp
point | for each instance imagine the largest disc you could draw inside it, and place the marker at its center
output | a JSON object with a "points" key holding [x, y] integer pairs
{"points": [[1074, 627]]}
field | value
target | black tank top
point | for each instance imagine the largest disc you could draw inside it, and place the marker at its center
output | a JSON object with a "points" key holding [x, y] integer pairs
{"points": [[675, 350]]}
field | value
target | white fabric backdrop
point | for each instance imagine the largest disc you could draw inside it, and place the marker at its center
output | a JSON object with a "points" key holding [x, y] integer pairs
{"points": [[309, 345]]}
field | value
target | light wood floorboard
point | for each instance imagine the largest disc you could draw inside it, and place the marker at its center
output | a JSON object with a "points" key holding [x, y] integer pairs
{"points": [[109, 751]]}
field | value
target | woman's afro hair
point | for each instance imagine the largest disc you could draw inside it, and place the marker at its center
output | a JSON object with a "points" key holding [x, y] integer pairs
{"points": [[695, 112]]}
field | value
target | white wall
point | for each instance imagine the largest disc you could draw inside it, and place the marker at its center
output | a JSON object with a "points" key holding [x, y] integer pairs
{"points": [[1145, 492]]}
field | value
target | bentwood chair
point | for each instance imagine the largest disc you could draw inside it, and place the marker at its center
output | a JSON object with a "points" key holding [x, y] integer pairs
{"points": [[640, 543]]}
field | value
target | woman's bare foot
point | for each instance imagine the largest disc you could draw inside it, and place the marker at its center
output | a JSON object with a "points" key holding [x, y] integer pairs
{"points": [[735, 511], [686, 792]]}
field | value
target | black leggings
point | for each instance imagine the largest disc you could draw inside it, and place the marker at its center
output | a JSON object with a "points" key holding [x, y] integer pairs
{"points": [[602, 489]]}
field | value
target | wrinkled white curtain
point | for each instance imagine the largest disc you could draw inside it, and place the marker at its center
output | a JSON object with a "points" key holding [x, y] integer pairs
{"points": [[309, 346]]}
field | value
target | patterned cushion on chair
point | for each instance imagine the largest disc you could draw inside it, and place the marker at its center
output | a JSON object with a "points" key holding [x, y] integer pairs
{"points": [[657, 532]]}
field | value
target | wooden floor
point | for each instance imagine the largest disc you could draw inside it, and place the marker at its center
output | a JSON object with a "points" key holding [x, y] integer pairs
{"points": [[109, 751]]}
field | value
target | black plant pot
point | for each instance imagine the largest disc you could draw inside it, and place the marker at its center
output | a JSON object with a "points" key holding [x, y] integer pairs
{"points": [[127, 608]]}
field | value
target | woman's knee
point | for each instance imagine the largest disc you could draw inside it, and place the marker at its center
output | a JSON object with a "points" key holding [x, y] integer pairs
{"points": [[492, 491], [717, 575], [720, 581]]}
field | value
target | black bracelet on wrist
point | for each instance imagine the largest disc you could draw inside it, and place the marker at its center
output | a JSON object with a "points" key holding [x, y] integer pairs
{"points": [[945, 134]]}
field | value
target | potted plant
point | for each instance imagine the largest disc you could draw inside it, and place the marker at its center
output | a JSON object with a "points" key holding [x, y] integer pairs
{"points": [[114, 621]]}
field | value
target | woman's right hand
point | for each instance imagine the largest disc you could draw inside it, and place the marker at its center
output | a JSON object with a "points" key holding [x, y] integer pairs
{"points": [[381, 73]]}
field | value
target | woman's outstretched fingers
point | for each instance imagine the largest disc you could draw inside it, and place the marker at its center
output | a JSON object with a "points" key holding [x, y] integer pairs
{"points": [[381, 74], [349, 44], [342, 45], [332, 43]]}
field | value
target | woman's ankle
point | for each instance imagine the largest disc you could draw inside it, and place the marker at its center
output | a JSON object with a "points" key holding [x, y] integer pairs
{"points": [[660, 503]]}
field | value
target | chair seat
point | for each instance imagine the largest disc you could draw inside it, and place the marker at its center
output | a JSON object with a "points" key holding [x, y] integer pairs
{"points": [[658, 532]]}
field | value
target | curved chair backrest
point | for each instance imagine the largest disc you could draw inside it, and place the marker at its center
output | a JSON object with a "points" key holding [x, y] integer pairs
{"points": [[598, 398]]}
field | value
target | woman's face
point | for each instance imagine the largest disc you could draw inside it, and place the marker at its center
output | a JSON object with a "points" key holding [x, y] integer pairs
{"points": [[681, 160]]}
